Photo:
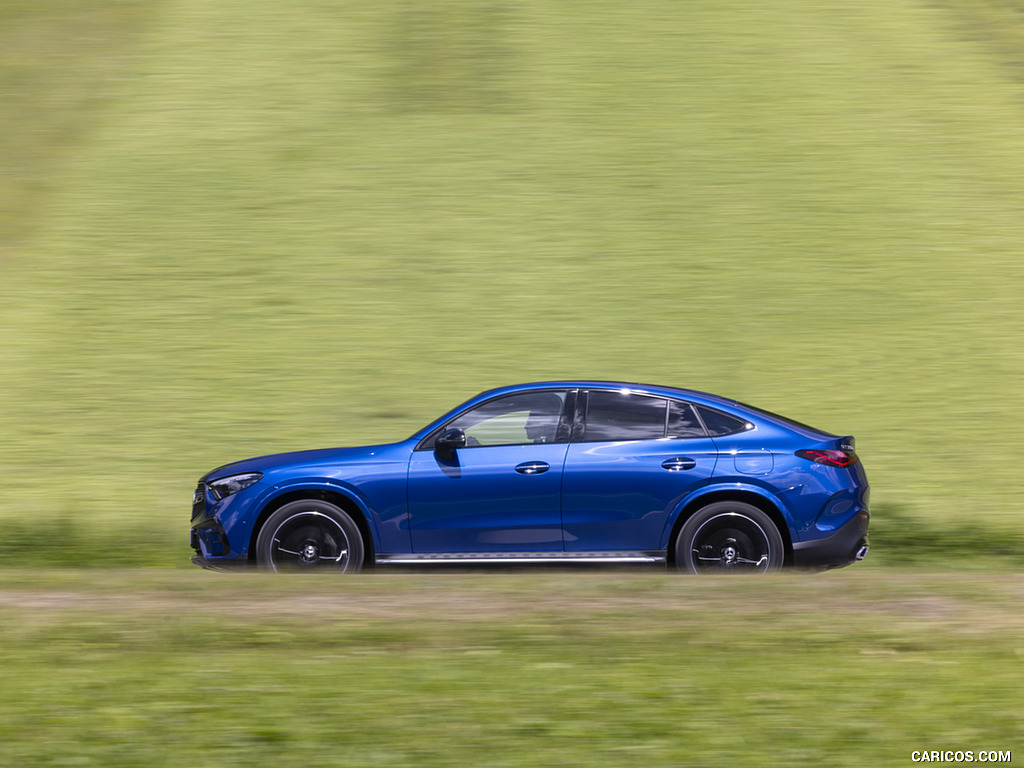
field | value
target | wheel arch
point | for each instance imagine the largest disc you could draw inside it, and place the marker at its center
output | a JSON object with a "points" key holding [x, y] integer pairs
{"points": [[337, 498], [746, 496]]}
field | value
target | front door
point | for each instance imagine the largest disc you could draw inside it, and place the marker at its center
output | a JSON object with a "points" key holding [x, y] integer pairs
{"points": [[500, 493]]}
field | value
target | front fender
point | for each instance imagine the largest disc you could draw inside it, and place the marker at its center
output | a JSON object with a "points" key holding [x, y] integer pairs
{"points": [[270, 499]]}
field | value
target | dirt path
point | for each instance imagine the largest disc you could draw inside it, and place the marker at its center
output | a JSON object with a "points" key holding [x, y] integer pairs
{"points": [[968, 603]]}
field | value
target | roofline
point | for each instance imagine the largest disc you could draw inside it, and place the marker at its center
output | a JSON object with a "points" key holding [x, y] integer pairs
{"points": [[609, 384], [651, 389]]}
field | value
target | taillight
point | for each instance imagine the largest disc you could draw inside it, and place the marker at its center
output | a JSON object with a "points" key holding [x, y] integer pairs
{"points": [[832, 457]]}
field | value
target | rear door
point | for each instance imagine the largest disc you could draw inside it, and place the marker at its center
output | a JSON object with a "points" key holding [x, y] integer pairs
{"points": [[632, 458]]}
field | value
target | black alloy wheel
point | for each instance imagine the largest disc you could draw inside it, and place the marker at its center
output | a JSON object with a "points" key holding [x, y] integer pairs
{"points": [[729, 537], [310, 535]]}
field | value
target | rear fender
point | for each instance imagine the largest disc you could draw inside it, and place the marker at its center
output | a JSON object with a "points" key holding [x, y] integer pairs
{"points": [[751, 493]]}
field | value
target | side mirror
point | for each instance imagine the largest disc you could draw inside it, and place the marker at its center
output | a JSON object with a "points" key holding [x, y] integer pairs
{"points": [[448, 441]]}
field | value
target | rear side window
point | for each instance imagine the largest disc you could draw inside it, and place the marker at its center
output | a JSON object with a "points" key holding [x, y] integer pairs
{"points": [[720, 424], [623, 416], [682, 421]]}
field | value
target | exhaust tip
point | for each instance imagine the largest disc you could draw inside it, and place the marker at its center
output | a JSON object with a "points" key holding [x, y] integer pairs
{"points": [[862, 552]]}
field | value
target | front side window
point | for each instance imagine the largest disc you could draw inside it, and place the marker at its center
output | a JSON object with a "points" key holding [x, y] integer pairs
{"points": [[529, 417], [613, 416]]}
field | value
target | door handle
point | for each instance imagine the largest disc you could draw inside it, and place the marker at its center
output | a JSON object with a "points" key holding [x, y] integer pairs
{"points": [[532, 467], [677, 464]]}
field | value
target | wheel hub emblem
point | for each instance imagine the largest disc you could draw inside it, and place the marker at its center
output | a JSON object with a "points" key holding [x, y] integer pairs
{"points": [[729, 554], [310, 553]]}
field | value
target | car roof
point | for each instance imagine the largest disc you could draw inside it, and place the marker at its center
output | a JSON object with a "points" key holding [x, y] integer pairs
{"points": [[635, 387]]}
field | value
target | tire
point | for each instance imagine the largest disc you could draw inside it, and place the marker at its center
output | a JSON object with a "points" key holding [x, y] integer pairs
{"points": [[729, 537], [310, 535]]}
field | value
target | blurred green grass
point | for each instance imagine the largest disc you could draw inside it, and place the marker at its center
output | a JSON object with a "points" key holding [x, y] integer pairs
{"points": [[130, 668], [237, 228]]}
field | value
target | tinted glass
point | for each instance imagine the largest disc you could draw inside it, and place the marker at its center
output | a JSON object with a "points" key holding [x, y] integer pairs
{"points": [[719, 423], [622, 416], [514, 420], [682, 421]]}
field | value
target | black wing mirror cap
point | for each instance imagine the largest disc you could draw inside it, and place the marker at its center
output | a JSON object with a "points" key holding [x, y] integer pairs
{"points": [[448, 441]]}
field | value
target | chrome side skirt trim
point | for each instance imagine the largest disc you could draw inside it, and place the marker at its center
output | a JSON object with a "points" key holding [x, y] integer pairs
{"points": [[498, 558]]}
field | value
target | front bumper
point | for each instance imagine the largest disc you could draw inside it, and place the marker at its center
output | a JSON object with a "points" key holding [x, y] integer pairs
{"points": [[218, 527], [208, 538], [847, 545]]}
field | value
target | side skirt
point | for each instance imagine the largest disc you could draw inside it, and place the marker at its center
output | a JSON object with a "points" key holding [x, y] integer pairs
{"points": [[499, 558]]}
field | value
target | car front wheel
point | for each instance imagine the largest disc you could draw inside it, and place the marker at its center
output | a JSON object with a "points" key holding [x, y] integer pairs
{"points": [[310, 535], [729, 537]]}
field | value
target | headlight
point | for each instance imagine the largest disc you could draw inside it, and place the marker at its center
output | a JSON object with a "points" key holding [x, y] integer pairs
{"points": [[225, 486]]}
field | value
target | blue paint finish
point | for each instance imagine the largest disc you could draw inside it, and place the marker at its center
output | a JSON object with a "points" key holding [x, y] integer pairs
{"points": [[735, 487], [373, 478], [559, 494], [753, 462], [477, 501], [617, 496]]}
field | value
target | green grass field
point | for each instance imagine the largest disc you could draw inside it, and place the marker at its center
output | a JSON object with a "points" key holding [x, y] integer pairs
{"points": [[517, 669], [237, 228]]}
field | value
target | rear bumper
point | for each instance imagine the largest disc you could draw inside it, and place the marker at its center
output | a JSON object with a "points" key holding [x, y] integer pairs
{"points": [[847, 545]]}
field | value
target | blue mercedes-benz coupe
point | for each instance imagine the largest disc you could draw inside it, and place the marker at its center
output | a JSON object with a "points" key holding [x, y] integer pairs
{"points": [[570, 471]]}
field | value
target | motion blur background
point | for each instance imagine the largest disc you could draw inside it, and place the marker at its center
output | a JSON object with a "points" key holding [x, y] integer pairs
{"points": [[242, 227], [237, 228]]}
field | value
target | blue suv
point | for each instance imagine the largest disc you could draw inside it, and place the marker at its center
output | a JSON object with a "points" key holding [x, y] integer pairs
{"points": [[572, 471]]}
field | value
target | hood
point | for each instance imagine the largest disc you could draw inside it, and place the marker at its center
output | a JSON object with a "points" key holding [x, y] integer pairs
{"points": [[320, 457]]}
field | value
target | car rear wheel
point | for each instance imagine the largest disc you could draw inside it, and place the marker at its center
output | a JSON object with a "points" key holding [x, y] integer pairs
{"points": [[729, 537], [310, 535]]}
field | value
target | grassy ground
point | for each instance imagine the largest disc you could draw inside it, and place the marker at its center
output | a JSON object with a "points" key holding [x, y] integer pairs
{"points": [[533, 668], [235, 228]]}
